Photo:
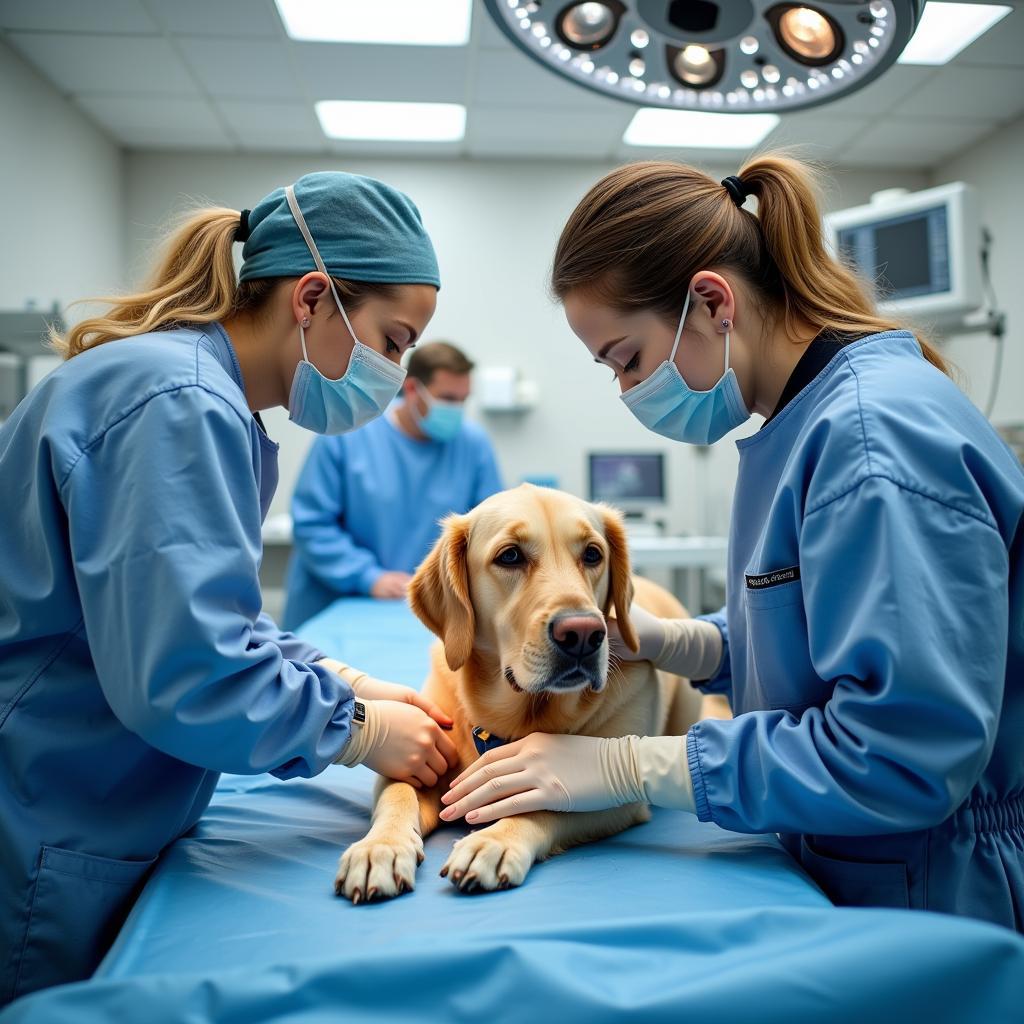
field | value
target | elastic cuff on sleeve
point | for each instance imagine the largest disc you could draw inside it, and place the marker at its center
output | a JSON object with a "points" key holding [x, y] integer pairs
{"points": [[700, 796], [368, 578]]}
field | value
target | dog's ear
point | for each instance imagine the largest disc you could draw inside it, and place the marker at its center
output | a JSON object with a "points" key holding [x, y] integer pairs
{"points": [[620, 585], [439, 592]]}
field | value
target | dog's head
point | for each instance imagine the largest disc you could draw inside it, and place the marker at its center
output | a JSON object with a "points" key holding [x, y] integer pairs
{"points": [[527, 579]]}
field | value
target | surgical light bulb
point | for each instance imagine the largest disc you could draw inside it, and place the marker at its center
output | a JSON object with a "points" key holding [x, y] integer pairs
{"points": [[588, 25], [807, 33]]}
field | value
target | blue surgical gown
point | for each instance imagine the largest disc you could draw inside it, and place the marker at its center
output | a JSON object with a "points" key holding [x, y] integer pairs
{"points": [[135, 663], [369, 502], [875, 642]]}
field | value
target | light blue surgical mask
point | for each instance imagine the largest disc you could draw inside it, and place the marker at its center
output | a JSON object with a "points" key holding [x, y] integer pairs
{"points": [[442, 421], [361, 394], [666, 404]]}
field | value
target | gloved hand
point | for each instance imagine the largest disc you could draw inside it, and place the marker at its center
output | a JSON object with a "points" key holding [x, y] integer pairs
{"points": [[391, 586], [366, 687], [571, 773], [650, 633], [685, 647], [399, 742]]}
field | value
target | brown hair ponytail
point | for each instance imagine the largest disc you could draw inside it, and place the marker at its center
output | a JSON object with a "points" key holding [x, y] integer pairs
{"points": [[817, 288], [638, 237]]}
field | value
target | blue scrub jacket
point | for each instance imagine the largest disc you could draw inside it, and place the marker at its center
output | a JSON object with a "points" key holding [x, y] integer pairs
{"points": [[371, 502], [875, 642], [135, 662]]}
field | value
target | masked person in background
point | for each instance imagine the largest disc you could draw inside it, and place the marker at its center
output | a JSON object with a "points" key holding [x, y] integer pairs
{"points": [[136, 662], [367, 505]]}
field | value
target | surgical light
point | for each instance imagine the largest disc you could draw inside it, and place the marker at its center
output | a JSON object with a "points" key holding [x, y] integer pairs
{"points": [[588, 26], [807, 34], [694, 65], [744, 56]]}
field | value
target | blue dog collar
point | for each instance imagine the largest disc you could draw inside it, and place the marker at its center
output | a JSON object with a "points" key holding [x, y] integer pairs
{"points": [[484, 741]]}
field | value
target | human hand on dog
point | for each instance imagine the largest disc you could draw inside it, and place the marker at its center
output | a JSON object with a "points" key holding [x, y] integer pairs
{"points": [[400, 742], [540, 772], [650, 633], [687, 647], [366, 687]]}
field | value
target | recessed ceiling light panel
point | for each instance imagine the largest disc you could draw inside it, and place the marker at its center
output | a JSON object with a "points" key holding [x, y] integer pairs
{"points": [[732, 56]]}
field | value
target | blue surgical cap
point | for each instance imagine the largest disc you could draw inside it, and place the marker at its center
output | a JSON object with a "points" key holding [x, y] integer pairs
{"points": [[365, 231]]}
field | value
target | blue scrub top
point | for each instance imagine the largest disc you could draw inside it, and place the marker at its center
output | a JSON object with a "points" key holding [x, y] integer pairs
{"points": [[370, 502], [135, 661], [875, 642]]}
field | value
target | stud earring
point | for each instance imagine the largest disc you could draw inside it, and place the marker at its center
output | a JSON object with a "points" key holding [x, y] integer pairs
{"points": [[726, 324], [305, 321]]}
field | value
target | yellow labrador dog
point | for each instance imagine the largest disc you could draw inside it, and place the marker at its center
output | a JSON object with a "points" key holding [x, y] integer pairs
{"points": [[518, 591]]}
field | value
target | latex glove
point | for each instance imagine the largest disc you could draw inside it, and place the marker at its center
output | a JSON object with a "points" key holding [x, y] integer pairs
{"points": [[571, 773], [391, 586], [366, 687], [686, 647], [650, 633], [399, 742]]}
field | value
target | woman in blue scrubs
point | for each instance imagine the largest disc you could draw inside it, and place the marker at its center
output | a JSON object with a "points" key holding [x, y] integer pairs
{"points": [[135, 661], [873, 641]]}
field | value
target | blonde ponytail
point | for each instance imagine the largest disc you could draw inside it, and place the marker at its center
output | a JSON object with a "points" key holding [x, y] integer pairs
{"points": [[194, 282], [817, 288], [637, 238]]}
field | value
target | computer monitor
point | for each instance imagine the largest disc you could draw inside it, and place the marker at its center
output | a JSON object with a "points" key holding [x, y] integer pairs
{"points": [[920, 251], [627, 479]]}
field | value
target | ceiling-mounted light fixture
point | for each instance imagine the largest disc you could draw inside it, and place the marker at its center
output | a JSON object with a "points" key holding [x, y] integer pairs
{"points": [[734, 56]]}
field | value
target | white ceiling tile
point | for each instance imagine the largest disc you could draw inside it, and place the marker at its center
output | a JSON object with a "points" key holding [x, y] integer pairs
{"points": [[989, 92], [491, 37], [157, 121], [229, 18], [882, 94], [109, 16], [339, 71], [1003, 44], [493, 149], [557, 126], [115, 64], [276, 126], [359, 148], [242, 68], [921, 142], [817, 135], [512, 78]]}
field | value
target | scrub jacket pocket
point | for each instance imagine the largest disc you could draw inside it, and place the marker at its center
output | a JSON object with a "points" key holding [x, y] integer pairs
{"points": [[779, 649], [78, 904], [849, 883]]}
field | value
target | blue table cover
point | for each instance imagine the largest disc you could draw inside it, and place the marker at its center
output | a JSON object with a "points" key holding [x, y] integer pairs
{"points": [[671, 921]]}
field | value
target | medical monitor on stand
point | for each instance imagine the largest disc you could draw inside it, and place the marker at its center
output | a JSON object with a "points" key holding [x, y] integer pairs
{"points": [[631, 481]]}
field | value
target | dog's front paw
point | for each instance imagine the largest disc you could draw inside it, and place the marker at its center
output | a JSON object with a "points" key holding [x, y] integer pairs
{"points": [[487, 860], [379, 868]]}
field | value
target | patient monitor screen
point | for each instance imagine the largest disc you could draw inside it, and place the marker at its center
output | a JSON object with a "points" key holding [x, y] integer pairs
{"points": [[627, 478], [905, 256]]}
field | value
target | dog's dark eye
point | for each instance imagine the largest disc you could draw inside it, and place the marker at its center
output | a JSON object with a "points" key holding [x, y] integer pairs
{"points": [[593, 555], [510, 557]]}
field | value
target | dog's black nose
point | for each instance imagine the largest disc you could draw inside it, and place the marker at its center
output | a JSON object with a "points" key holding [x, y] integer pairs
{"points": [[577, 635]]}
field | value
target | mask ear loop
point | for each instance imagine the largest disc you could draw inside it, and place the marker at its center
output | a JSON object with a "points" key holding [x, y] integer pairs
{"points": [[293, 205], [679, 329]]}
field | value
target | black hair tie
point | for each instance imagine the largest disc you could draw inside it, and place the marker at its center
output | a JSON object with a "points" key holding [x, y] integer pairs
{"points": [[736, 189], [242, 231]]}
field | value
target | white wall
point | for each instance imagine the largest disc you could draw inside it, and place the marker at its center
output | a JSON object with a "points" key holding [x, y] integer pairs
{"points": [[61, 185], [996, 168], [494, 225]]}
